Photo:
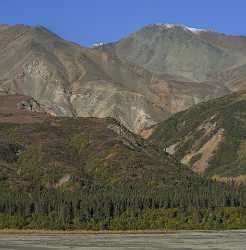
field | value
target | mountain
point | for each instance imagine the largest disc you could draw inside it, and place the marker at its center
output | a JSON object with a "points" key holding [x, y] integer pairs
{"points": [[140, 80], [210, 137], [69, 158], [194, 54], [69, 80]]}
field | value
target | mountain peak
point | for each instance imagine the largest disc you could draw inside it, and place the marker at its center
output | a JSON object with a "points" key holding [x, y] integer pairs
{"points": [[172, 26]]}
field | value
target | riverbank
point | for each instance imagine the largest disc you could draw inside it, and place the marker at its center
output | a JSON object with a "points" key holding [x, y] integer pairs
{"points": [[102, 232], [75, 232]]}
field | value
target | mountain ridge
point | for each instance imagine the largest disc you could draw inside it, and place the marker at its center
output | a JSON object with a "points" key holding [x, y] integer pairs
{"points": [[151, 38], [70, 80]]}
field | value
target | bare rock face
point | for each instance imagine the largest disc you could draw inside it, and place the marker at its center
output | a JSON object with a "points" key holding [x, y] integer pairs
{"points": [[69, 80], [102, 99]]}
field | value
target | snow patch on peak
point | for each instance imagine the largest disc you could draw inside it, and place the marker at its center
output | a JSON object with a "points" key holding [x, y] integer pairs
{"points": [[171, 26], [97, 45], [194, 30], [166, 25]]}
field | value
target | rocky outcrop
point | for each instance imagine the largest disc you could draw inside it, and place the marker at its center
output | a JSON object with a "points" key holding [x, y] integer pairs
{"points": [[21, 109], [29, 105]]}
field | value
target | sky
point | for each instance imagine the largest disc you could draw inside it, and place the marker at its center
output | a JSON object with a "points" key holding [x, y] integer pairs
{"points": [[91, 21]]}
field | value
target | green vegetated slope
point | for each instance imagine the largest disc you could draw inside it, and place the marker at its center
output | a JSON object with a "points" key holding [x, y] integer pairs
{"points": [[89, 173], [210, 137], [61, 150]]}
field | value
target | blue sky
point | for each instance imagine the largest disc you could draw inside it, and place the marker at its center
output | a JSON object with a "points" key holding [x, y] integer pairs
{"points": [[90, 21]]}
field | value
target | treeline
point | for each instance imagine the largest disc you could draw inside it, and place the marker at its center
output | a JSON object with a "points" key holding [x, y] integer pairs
{"points": [[193, 203]]}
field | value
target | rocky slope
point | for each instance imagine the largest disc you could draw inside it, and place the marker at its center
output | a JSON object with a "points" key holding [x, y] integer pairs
{"points": [[210, 137], [70, 80]]}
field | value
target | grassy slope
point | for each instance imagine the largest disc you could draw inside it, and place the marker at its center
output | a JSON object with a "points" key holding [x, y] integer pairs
{"points": [[192, 129], [64, 150]]}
